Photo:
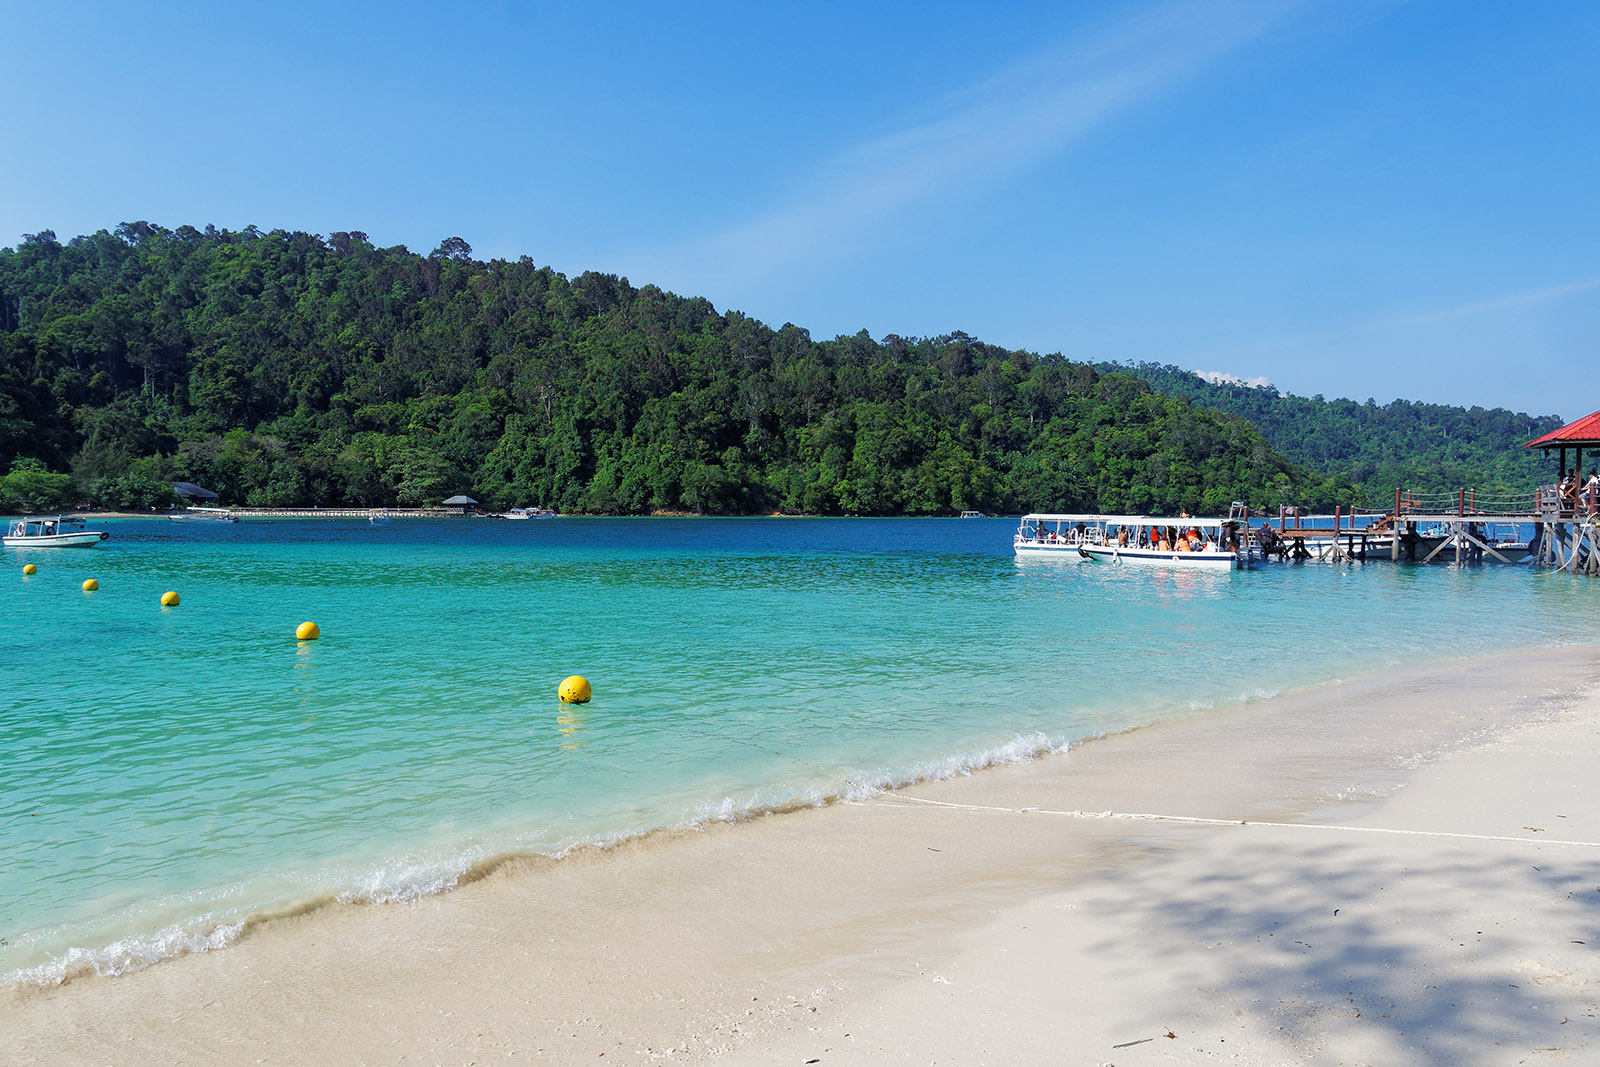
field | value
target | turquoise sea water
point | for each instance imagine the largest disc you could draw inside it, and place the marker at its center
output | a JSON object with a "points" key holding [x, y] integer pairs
{"points": [[166, 775]]}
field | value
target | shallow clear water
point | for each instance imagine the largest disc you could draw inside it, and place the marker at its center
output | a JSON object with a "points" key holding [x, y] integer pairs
{"points": [[165, 774]]}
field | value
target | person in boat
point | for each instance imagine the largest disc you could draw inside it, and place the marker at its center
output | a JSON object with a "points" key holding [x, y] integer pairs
{"points": [[1122, 536], [1268, 538]]}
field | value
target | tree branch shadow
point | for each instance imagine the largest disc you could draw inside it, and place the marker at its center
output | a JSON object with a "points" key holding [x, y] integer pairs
{"points": [[1438, 954]]}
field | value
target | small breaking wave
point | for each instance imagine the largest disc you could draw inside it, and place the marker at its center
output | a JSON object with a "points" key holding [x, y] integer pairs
{"points": [[130, 953], [408, 878]]}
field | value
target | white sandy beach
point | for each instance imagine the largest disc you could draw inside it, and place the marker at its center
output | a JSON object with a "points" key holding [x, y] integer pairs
{"points": [[1429, 893]]}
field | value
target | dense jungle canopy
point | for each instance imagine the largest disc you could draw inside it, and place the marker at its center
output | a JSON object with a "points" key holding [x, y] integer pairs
{"points": [[282, 368], [1402, 444]]}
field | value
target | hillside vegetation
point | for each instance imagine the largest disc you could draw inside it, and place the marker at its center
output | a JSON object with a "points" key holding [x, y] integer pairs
{"points": [[281, 368], [1402, 444]]}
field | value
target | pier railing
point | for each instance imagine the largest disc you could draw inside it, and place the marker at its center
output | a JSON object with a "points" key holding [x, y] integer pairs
{"points": [[1465, 503]]}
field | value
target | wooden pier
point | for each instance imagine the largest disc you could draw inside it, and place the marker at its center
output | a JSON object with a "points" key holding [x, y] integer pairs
{"points": [[1425, 526], [1346, 539], [1566, 534]]}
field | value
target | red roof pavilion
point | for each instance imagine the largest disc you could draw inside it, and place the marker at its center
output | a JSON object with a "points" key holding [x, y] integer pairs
{"points": [[1586, 431]]}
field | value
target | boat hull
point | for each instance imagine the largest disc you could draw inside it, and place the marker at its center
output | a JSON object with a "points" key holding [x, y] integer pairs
{"points": [[1201, 561], [76, 539]]}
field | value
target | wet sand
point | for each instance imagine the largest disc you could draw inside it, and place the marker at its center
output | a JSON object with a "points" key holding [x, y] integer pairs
{"points": [[1431, 895]]}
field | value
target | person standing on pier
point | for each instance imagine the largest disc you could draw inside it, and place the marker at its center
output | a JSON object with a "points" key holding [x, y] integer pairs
{"points": [[1591, 493]]}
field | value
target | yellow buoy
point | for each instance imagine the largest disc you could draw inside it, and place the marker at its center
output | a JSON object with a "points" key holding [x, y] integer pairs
{"points": [[169, 599], [90, 585], [30, 569], [575, 690], [307, 631]]}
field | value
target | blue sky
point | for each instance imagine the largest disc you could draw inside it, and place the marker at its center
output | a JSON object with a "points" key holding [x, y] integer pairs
{"points": [[1353, 198]]}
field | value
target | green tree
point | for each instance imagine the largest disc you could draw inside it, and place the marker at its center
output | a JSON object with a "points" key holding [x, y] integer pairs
{"points": [[29, 487]]}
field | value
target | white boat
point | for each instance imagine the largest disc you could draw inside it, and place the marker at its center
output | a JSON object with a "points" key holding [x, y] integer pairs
{"points": [[1220, 544], [50, 533], [528, 513], [199, 516], [972, 515], [1507, 539], [378, 518]]}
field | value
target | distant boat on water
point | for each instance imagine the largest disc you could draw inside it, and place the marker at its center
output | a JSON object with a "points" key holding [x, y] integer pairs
{"points": [[51, 533], [208, 517], [528, 513]]}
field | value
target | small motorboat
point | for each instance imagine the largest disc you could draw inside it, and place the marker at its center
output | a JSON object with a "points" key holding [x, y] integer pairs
{"points": [[207, 516], [528, 513], [51, 533]]}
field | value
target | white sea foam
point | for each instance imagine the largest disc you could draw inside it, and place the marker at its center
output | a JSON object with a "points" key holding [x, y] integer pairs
{"points": [[863, 785], [130, 953], [402, 880], [1249, 696]]}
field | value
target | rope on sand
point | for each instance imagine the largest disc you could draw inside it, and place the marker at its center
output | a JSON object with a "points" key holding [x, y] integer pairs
{"points": [[1151, 817]]}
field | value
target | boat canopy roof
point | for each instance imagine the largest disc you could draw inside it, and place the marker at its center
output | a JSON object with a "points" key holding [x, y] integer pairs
{"points": [[1126, 520], [192, 491]]}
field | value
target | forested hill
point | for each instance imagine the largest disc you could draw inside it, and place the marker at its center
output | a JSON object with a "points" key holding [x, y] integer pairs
{"points": [[1400, 444], [283, 368]]}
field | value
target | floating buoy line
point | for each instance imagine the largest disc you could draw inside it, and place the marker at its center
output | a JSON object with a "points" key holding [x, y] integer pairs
{"points": [[574, 689]]}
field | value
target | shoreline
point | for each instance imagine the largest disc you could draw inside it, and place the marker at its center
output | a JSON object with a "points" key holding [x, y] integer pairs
{"points": [[396, 512], [837, 920], [219, 930]]}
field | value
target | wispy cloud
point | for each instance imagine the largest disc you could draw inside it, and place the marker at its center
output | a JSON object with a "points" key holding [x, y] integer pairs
{"points": [[1500, 303], [1283, 342], [987, 132]]}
